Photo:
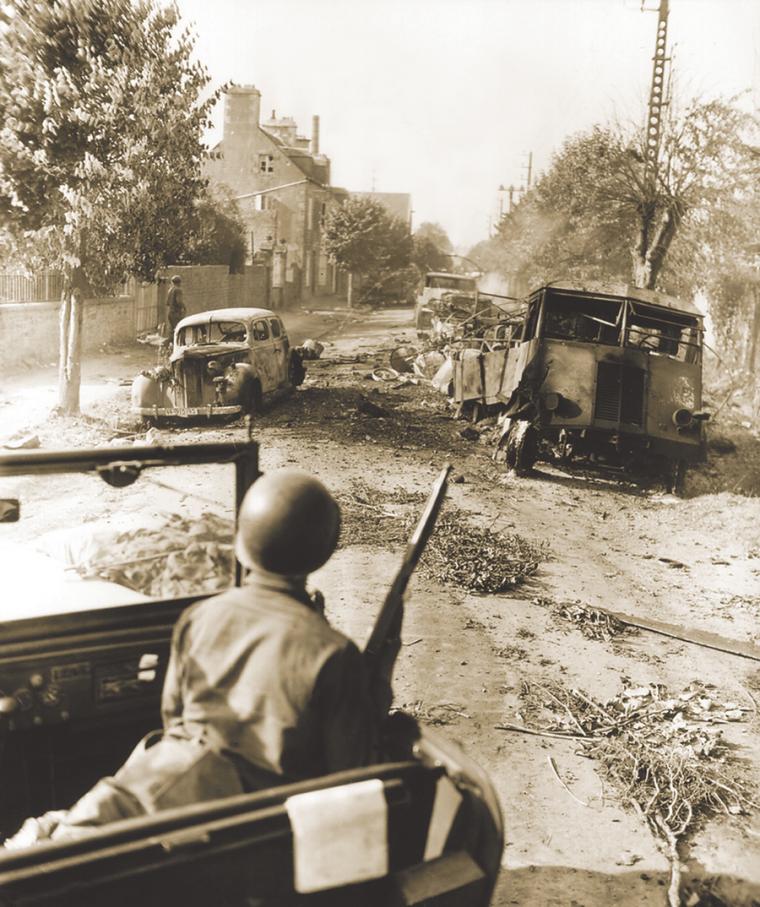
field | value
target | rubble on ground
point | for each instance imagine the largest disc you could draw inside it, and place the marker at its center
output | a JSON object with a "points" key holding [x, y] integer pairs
{"points": [[478, 560], [662, 751], [458, 553], [593, 623]]}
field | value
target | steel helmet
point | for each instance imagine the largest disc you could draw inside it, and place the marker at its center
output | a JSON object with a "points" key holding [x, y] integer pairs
{"points": [[288, 523]]}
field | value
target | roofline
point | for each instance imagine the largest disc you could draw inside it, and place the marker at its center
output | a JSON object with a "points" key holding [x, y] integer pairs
{"points": [[240, 312], [306, 179], [634, 294]]}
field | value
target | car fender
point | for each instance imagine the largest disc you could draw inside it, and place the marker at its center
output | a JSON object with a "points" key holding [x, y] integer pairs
{"points": [[148, 392]]}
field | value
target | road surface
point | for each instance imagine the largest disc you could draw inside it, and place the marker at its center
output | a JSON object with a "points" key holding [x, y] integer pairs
{"points": [[469, 659]]}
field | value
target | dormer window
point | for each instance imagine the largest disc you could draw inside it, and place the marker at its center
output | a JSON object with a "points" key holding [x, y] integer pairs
{"points": [[266, 163]]}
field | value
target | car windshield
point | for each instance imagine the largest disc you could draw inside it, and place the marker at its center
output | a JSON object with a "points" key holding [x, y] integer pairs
{"points": [[80, 543], [212, 332]]}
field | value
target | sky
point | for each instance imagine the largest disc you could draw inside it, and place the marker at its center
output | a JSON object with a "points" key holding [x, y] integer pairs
{"points": [[445, 99]]}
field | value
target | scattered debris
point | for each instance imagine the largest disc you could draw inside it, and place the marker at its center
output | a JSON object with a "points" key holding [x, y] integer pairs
{"points": [[478, 560], [555, 772], [469, 433], [721, 444], [373, 517], [676, 565], [594, 623], [426, 365], [24, 442], [401, 359], [154, 437], [663, 752], [439, 714], [311, 349], [368, 408]]}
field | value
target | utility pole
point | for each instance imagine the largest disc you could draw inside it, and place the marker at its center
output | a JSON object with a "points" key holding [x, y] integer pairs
{"points": [[529, 168], [657, 98]]}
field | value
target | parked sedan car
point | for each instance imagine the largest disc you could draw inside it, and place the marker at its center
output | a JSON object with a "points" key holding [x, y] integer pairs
{"points": [[224, 361]]}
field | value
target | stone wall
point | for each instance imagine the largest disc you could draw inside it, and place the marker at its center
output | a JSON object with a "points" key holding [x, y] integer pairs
{"points": [[213, 287], [29, 330]]}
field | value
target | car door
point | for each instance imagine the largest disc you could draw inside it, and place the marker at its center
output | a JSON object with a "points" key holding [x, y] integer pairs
{"points": [[281, 349], [263, 354]]}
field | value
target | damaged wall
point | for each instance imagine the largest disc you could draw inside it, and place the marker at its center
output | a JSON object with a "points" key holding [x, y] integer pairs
{"points": [[29, 330]]}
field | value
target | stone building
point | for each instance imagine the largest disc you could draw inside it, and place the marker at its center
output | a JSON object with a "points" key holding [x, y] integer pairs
{"points": [[281, 182]]}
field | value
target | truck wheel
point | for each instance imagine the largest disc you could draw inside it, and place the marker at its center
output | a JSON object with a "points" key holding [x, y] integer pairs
{"points": [[522, 448], [675, 478]]}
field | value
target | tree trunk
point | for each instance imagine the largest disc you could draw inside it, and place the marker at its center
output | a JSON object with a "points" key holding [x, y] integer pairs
{"points": [[649, 253], [754, 336], [70, 348], [350, 290]]}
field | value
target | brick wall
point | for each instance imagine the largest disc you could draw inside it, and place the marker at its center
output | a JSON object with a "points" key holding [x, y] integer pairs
{"points": [[29, 330]]}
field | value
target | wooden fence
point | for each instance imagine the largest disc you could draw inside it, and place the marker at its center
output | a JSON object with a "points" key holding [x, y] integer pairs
{"points": [[43, 287]]}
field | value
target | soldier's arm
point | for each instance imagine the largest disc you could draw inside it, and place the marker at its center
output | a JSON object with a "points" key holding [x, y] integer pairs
{"points": [[351, 711], [171, 695]]}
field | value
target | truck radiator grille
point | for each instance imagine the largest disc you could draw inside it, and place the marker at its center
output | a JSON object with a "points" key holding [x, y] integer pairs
{"points": [[619, 393]]}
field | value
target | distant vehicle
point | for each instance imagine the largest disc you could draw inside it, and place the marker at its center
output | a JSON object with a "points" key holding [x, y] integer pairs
{"points": [[224, 361], [442, 290], [81, 673], [616, 376]]}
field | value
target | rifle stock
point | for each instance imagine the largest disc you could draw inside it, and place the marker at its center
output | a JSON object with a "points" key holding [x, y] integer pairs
{"points": [[394, 600]]}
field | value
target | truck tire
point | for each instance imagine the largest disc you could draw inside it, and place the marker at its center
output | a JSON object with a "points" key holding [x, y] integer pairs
{"points": [[522, 448]]}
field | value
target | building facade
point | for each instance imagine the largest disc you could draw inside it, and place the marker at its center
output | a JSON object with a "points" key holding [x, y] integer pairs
{"points": [[281, 182]]}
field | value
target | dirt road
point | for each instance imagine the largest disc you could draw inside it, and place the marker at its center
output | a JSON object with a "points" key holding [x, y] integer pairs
{"points": [[472, 661]]}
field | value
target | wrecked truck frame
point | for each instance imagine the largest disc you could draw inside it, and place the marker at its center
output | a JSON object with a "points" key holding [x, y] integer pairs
{"points": [[614, 374]]}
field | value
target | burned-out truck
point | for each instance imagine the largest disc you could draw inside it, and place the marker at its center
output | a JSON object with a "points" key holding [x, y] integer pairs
{"points": [[611, 373]]}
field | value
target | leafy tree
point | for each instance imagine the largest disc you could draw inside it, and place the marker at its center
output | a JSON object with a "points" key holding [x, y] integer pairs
{"points": [[101, 117], [431, 248], [600, 212], [218, 232], [368, 242]]}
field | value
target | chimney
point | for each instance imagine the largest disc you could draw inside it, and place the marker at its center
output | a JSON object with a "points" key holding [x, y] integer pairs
{"points": [[315, 136], [241, 112]]}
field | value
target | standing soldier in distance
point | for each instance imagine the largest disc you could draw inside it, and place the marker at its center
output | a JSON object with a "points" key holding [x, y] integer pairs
{"points": [[175, 307]]}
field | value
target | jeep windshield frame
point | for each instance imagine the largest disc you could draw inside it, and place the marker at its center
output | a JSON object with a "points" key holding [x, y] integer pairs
{"points": [[122, 467]]}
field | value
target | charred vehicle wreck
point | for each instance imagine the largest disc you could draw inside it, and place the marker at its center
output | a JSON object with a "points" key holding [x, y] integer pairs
{"points": [[223, 362], [614, 376], [87, 627]]}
